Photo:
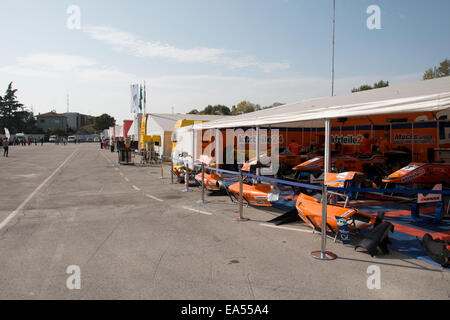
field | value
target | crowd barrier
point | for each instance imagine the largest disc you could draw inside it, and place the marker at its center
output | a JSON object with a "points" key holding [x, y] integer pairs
{"points": [[324, 188], [316, 187]]}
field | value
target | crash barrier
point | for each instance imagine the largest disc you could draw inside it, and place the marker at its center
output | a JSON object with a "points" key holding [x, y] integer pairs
{"points": [[316, 187]]}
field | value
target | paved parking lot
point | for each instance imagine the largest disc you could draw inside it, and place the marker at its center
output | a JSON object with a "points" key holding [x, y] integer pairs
{"points": [[135, 236]]}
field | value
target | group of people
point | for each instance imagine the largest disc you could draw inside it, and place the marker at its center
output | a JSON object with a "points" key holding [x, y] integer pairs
{"points": [[22, 141], [5, 143]]}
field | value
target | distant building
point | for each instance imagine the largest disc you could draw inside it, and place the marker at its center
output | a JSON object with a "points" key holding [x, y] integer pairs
{"points": [[51, 120], [76, 120]]}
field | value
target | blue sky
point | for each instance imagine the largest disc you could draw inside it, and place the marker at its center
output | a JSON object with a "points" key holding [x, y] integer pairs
{"points": [[195, 53]]}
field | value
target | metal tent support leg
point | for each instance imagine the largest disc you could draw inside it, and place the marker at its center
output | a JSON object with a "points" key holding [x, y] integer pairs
{"points": [[241, 200], [186, 179], [203, 201], [171, 171], [323, 254]]}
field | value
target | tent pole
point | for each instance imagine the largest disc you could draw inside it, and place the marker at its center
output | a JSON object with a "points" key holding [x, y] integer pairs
{"points": [[323, 254], [218, 151], [303, 137], [412, 142], [258, 170]]}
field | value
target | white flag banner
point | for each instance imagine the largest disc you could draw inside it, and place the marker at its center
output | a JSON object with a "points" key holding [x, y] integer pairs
{"points": [[8, 136], [134, 98]]}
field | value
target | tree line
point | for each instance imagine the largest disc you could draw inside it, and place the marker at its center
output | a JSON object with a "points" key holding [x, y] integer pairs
{"points": [[17, 118], [438, 72], [241, 108], [13, 115]]}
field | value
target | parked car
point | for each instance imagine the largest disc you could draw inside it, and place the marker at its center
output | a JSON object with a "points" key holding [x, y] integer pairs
{"points": [[52, 139], [71, 139]]}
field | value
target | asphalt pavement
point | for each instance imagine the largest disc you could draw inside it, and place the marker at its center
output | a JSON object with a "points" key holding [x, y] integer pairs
{"points": [[130, 235]]}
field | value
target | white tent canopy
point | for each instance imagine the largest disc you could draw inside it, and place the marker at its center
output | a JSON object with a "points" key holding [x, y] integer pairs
{"points": [[119, 131], [424, 96]]}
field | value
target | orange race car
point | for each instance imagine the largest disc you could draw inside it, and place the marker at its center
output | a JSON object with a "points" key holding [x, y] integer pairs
{"points": [[311, 171], [421, 173], [210, 180], [310, 211]]}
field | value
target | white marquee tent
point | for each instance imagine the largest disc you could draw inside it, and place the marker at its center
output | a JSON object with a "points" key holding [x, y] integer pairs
{"points": [[428, 95]]}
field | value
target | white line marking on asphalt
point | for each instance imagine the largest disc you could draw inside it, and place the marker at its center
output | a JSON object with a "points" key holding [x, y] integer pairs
{"points": [[136, 188], [106, 158], [121, 173], [126, 179], [154, 198], [117, 169], [24, 203], [284, 228], [197, 211]]}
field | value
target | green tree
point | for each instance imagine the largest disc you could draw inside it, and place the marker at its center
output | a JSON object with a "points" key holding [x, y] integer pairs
{"points": [[244, 107], [364, 87], [376, 85], [444, 68], [438, 72], [218, 110], [103, 122], [13, 115], [429, 74], [90, 128], [381, 84], [193, 111], [213, 110]]}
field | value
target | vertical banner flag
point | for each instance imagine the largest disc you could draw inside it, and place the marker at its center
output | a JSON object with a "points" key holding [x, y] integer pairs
{"points": [[140, 98], [8, 136], [145, 98], [134, 98]]}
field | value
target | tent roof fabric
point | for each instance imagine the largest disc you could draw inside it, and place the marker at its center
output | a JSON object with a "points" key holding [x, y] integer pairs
{"points": [[167, 120], [428, 95]]}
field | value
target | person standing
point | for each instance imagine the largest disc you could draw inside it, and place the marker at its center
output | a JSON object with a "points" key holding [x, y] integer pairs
{"points": [[385, 143], [5, 148], [366, 145], [294, 147]]}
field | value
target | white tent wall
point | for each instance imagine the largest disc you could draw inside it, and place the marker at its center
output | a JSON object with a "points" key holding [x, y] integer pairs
{"points": [[118, 131]]}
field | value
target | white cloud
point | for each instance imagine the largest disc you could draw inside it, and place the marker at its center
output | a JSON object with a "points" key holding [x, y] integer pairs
{"points": [[60, 62], [128, 42], [96, 89], [78, 68]]}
